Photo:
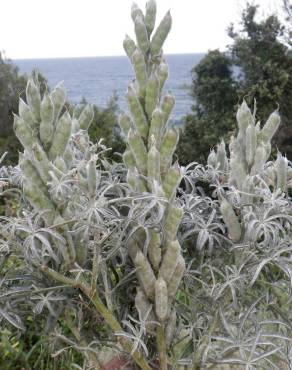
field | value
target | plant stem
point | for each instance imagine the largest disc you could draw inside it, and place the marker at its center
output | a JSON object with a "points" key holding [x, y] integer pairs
{"points": [[161, 344]]}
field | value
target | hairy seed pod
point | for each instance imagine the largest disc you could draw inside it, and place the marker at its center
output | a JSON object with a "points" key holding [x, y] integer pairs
{"points": [[247, 191], [60, 164], [136, 12], [152, 95], [129, 46], [281, 168], [244, 116], [169, 260], [86, 117], [270, 128], [150, 16], [170, 328], [26, 114], [24, 133], [58, 97], [221, 156], [154, 250], [153, 163], [135, 242], [161, 299], [145, 274], [251, 143], [128, 159], [171, 182], [31, 173], [33, 98], [162, 74], [167, 149], [61, 136], [260, 160], [47, 120], [81, 251], [237, 170], [125, 123], [138, 150], [41, 162], [160, 35], [141, 34], [91, 176], [176, 277], [212, 159], [137, 112], [156, 126], [144, 307], [139, 66], [68, 157], [172, 221], [231, 220], [167, 105]]}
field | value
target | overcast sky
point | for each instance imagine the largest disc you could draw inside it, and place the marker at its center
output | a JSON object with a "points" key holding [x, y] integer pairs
{"points": [[78, 28]]}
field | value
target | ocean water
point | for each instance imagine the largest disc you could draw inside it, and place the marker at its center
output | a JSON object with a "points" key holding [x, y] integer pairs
{"points": [[97, 78]]}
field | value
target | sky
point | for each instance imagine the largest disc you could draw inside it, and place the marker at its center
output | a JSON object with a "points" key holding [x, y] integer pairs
{"points": [[80, 28]]}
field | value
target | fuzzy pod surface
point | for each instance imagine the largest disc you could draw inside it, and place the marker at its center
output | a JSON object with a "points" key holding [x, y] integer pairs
{"points": [[145, 274], [169, 260], [231, 220], [161, 299], [160, 34]]}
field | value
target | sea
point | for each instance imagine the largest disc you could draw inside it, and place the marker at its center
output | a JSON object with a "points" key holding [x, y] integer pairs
{"points": [[97, 79]]}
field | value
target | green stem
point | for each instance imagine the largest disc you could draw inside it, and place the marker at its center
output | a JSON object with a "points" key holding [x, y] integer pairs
{"points": [[161, 344], [104, 312]]}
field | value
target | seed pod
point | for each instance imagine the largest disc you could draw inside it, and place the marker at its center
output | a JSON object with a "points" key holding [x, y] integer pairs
{"points": [[135, 242], [153, 163], [170, 328], [58, 97], [167, 105], [260, 160], [41, 162], [145, 274], [281, 168], [26, 114], [143, 306], [31, 173], [33, 98], [68, 157], [141, 34], [167, 149], [212, 159], [152, 95], [138, 151], [251, 143], [139, 65], [125, 123], [91, 176], [169, 260], [136, 12], [161, 299], [160, 35], [128, 159], [60, 164], [61, 136], [86, 117], [172, 221], [47, 120], [248, 188], [129, 46], [162, 74], [154, 250], [156, 126], [81, 251], [24, 133], [237, 170], [176, 277], [221, 156], [244, 116], [137, 112], [150, 16], [231, 220], [270, 128], [171, 182]]}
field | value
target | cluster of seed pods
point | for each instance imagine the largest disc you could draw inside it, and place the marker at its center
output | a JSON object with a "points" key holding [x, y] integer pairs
{"points": [[44, 127], [151, 143], [249, 153]]}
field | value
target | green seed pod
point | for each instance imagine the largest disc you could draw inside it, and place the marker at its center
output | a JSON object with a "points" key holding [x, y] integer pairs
{"points": [[143, 306], [221, 156], [237, 170], [160, 35], [171, 182], [170, 328], [68, 157], [153, 163], [86, 117], [31, 173], [41, 162], [169, 260], [150, 16], [176, 277], [61, 136], [212, 159], [128, 159], [138, 150], [129, 46], [231, 220], [24, 133], [60, 164], [167, 105], [81, 251], [141, 34], [154, 250], [244, 116], [156, 126], [137, 112], [132, 178], [139, 65], [167, 149], [33, 98], [251, 143], [260, 160], [58, 97], [91, 176], [136, 12], [125, 123], [248, 191], [281, 168], [145, 274], [26, 114], [161, 299], [172, 222], [152, 95], [270, 128], [135, 242], [47, 120], [162, 74]]}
